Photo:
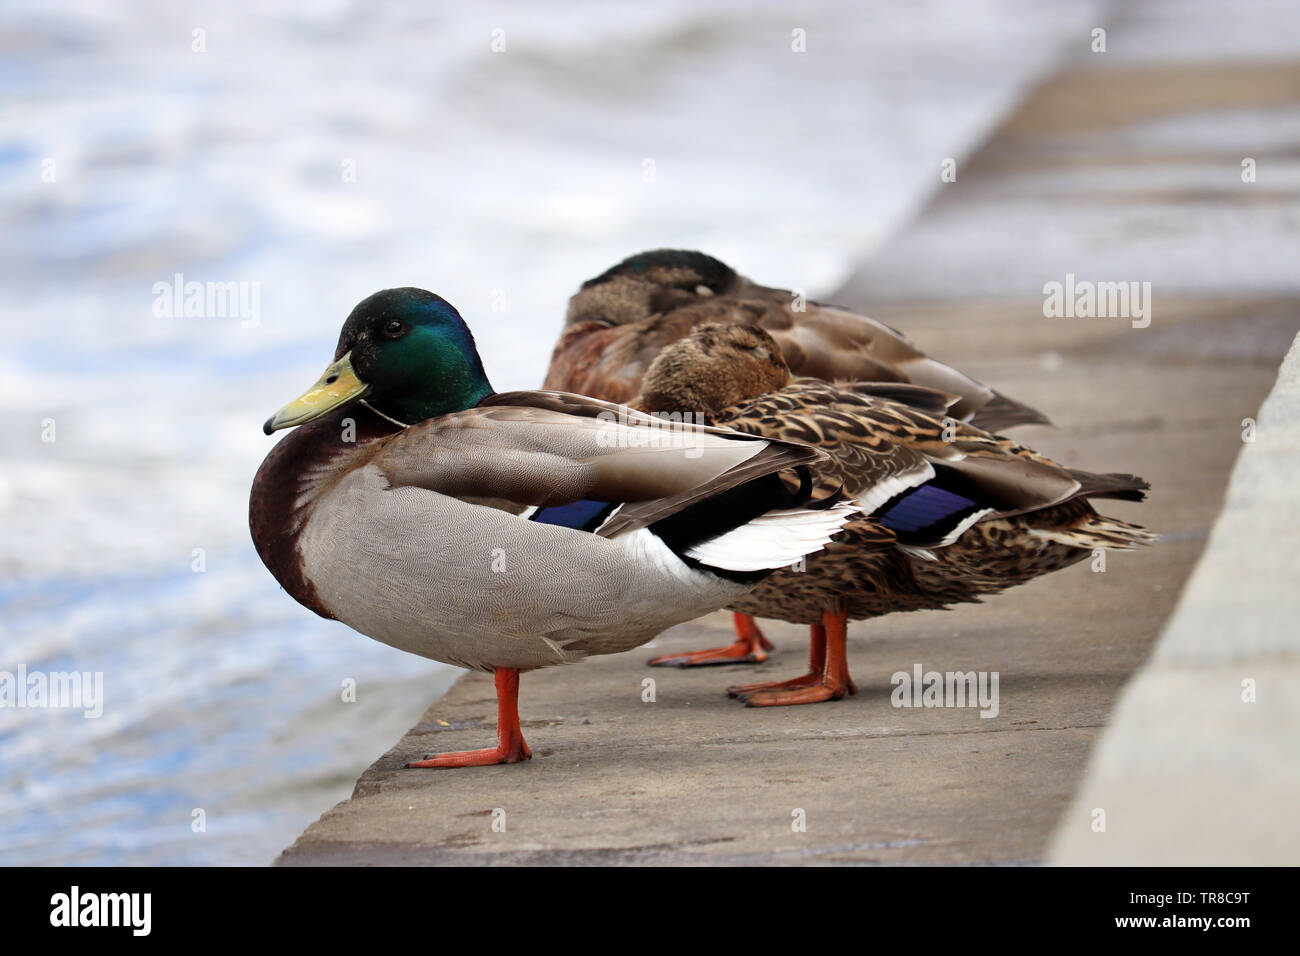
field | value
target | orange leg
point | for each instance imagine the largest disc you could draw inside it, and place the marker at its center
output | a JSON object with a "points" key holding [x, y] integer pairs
{"points": [[510, 746], [751, 647], [816, 664], [831, 684]]}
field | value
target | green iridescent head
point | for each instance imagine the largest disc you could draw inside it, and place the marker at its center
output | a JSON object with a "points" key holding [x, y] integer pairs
{"points": [[407, 352]]}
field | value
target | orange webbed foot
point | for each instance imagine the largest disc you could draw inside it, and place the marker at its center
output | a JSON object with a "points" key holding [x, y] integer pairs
{"points": [[828, 671], [510, 747], [750, 647]]}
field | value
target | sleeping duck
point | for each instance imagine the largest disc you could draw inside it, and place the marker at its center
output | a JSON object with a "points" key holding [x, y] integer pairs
{"points": [[508, 532], [949, 512], [618, 322]]}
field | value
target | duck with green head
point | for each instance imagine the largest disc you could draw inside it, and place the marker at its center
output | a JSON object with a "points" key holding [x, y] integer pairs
{"points": [[508, 532]]}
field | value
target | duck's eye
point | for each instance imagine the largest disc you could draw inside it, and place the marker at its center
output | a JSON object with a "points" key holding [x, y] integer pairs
{"points": [[394, 327]]}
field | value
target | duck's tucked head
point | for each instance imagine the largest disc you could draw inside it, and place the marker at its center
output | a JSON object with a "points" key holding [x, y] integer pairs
{"points": [[650, 282], [407, 352], [716, 366]]}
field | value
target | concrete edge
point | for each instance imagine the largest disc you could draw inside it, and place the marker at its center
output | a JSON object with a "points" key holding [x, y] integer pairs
{"points": [[1199, 766]]}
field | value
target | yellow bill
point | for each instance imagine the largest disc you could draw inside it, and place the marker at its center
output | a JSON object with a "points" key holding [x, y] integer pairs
{"points": [[338, 386]]}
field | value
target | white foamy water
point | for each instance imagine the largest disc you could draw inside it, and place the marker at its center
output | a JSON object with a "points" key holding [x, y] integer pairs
{"points": [[126, 157]]}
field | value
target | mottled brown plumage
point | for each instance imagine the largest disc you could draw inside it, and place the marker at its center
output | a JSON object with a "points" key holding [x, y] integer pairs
{"points": [[621, 320], [1037, 516]]}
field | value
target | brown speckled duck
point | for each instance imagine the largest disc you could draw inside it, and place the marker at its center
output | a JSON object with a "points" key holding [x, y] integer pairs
{"points": [[508, 532], [950, 512], [619, 322]]}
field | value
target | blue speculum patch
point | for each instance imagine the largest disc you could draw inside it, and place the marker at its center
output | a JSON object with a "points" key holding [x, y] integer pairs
{"points": [[584, 515], [925, 506]]}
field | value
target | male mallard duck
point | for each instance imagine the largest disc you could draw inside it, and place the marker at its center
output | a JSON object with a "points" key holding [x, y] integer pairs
{"points": [[949, 511], [620, 320], [507, 532]]}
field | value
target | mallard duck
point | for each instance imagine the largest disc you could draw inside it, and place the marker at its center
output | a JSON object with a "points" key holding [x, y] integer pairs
{"points": [[950, 512], [619, 321], [508, 532]]}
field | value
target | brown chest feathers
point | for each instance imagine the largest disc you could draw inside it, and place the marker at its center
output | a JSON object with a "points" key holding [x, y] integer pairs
{"points": [[300, 468]]}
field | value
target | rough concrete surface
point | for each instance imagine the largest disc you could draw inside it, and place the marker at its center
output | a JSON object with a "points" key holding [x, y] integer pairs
{"points": [[1200, 765], [696, 778]]}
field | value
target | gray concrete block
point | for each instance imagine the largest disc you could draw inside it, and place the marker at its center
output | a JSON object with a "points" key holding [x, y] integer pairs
{"points": [[1201, 764]]}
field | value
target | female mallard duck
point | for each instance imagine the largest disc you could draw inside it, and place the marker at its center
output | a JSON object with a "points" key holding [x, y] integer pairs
{"points": [[619, 321], [509, 532], [949, 511]]}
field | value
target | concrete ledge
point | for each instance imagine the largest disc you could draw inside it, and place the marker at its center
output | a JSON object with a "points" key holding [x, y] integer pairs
{"points": [[1194, 770]]}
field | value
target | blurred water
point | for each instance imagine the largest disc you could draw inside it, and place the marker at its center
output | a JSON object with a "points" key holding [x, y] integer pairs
{"points": [[494, 178]]}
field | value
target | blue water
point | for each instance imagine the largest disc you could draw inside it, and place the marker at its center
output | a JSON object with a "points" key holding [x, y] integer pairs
{"points": [[492, 178]]}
